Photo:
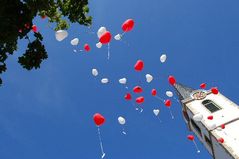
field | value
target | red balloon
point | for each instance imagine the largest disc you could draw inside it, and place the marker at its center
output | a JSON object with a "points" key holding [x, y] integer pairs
{"points": [[43, 17], [98, 119], [154, 92], [87, 47], [223, 126], [171, 80], [203, 85], [167, 103], [34, 28], [210, 117], [27, 25], [214, 90], [221, 140], [139, 65], [139, 100], [128, 96], [128, 25], [190, 137], [105, 38], [137, 89]]}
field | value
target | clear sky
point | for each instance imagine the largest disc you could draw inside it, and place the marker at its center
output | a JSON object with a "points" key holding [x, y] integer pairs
{"points": [[47, 113]]}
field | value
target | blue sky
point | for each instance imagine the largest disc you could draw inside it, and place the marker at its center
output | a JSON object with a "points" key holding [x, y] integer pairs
{"points": [[47, 113]]}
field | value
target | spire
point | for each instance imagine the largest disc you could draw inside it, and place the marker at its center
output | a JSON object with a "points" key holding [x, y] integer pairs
{"points": [[183, 92]]}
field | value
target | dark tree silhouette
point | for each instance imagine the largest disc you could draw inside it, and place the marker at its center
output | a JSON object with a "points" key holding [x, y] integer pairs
{"points": [[16, 18]]}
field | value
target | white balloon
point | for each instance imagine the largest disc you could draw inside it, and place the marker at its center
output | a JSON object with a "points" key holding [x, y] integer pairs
{"points": [[95, 72], [118, 37], [61, 35], [121, 120], [198, 117], [123, 81], [101, 31], [74, 41], [156, 112], [149, 78], [163, 58], [212, 126], [169, 93], [104, 80], [98, 45]]}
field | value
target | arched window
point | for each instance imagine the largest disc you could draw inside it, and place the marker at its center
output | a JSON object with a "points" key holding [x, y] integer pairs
{"points": [[211, 106]]}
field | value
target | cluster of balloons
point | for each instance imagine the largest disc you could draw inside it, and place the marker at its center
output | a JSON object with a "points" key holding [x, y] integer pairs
{"points": [[104, 38]]}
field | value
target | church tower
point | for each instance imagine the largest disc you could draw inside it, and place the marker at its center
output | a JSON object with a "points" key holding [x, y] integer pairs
{"points": [[213, 118]]}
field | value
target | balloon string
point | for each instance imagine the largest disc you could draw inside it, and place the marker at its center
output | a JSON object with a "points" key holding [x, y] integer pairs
{"points": [[108, 51], [176, 99], [122, 34], [123, 131], [171, 112], [137, 107], [49, 26], [101, 144], [196, 146], [159, 120], [159, 98], [126, 87]]}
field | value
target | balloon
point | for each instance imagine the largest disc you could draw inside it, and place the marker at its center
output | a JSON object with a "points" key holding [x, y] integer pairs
{"points": [[74, 41], [117, 37], [163, 58], [139, 65], [223, 126], [27, 25], [190, 137], [221, 140], [198, 117], [105, 80], [137, 89], [210, 117], [169, 93], [98, 119], [214, 90], [87, 47], [121, 120], [101, 31], [211, 126], [139, 100], [167, 103], [149, 78], [43, 16], [128, 96], [171, 80], [34, 28], [94, 72], [154, 92], [203, 85], [122, 81], [61, 35], [156, 112], [98, 45], [128, 25], [105, 38]]}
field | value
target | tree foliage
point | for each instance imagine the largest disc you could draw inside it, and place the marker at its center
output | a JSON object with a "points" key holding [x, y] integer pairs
{"points": [[16, 18]]}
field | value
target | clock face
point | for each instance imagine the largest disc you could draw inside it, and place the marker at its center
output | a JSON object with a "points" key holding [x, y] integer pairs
{"points": [[199, 95]]}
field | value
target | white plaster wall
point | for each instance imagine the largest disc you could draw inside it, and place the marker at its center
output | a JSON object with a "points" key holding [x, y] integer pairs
{"points": [[228, 113]]}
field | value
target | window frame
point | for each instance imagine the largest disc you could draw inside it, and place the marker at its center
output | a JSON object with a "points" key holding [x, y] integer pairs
{"points": [[206, 102]]}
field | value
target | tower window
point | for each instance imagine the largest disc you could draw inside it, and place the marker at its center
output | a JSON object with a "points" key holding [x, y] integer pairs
{"points": [[196, 127], [211, 106]]}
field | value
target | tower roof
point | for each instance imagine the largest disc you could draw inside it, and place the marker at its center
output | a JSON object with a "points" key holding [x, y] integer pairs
{"points": [[183, 92]]}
